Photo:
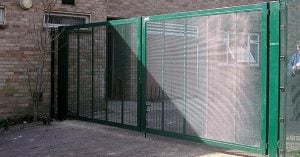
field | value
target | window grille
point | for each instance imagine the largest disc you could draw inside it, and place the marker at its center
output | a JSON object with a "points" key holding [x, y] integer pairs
{"points": [[63, 19], [2, 15]]}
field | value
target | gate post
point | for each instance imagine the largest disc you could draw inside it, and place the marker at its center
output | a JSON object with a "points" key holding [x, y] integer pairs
{"points": [[274, 76], [62, 84], [142, 75]]}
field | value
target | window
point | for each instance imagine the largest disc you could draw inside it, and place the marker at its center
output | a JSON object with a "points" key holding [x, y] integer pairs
{"points": [[245, 50], [64, 19], [242, 48], [71, 2], [2, 15]]}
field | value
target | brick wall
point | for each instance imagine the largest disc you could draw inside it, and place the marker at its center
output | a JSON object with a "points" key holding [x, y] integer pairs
{"points": [[16, 44], [133, 8]]}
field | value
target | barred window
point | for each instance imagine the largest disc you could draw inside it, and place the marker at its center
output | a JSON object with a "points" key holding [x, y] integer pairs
{"points": [[64, 19], [2, 15]]}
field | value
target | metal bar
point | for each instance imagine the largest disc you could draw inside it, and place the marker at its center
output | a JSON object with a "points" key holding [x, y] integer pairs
{"points": [[207, 76], [107, 71], [123, 71], [274, 74], [62, 93], [184, 74], [78, 71], [162, 79], [263, 61], [125, 126], [106, 23], [139, 76], [143, 74], [207, 141], [53, 49], [93, 72], [236, 9], [283, 77]]}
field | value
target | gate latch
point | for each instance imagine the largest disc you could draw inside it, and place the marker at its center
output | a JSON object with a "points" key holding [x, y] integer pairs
{"points": [[282, 89]]}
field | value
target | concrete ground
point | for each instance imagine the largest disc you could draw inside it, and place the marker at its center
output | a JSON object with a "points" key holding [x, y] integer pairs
{"points": [[83, 139]]}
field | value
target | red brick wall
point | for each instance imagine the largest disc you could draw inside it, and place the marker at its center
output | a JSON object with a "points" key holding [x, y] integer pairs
{"points": [[133, 8], [16, 44]]}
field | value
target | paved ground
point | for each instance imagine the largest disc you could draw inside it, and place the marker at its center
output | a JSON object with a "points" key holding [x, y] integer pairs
{"points": [[82, 139]]}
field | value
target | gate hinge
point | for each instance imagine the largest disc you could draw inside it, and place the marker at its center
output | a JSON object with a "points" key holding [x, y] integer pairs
{"points": [[282, 27], [281, 120], [282, 58], [280, 148], [282, 89]]}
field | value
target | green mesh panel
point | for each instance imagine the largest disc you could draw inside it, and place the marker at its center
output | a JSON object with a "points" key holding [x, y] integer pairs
{"points": [[204, 77]]}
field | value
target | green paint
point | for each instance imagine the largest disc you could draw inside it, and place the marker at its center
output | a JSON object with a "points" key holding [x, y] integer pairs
{"points": [[273, 78], [264, 76]]}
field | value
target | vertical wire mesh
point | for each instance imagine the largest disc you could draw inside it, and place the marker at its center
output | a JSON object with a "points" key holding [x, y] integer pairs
{"points": [[103, 73], [292, 107], [85, 73], [204, 77], [122, 99], [100, 55], [72, 72]]}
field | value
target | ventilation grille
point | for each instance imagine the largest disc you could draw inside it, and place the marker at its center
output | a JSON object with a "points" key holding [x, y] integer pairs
{"points": [[171, 29]]}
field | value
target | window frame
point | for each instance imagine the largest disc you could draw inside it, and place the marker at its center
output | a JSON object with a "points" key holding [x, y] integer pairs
{"points": [[66, 14], [4, 15]]}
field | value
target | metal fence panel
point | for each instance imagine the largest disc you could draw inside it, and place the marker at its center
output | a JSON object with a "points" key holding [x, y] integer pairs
{"points": [[204, 77], [102, 72], [290, 79], [198, 75]]}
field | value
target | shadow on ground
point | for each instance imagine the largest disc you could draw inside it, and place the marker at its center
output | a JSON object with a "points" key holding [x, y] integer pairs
{"points": [[82, 139]]}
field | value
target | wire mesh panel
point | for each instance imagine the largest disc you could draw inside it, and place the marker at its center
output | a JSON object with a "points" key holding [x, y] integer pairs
{"points": [[122, 74], [102, 72], [100, 49], [73, 73], [292, 79], [204, 77]]}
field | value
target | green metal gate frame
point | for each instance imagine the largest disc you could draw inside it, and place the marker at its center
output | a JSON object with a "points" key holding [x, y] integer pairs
{"points": [[270, 74], [248, 8], [63, 54]]}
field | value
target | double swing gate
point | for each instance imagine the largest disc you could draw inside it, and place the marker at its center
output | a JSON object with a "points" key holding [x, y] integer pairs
{"points": [[200, 75]]}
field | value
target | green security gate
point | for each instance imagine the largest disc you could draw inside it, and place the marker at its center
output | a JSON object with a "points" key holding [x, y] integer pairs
{"points": [[209, 76], [99, 62]]}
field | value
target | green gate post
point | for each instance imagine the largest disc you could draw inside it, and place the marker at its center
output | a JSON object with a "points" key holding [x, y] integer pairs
{"points": [[140, 74], [143, 75], [62, 92], [274, 74]]}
